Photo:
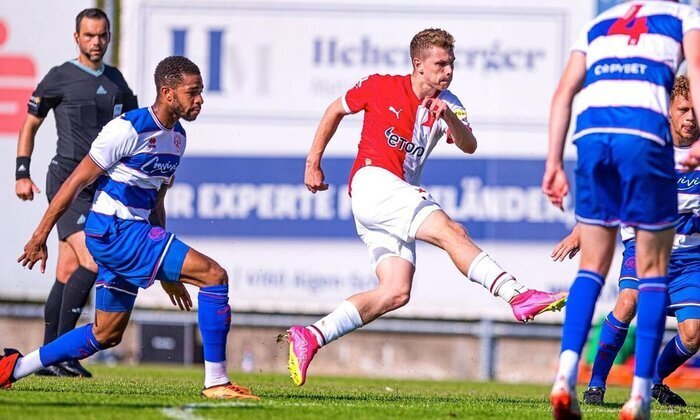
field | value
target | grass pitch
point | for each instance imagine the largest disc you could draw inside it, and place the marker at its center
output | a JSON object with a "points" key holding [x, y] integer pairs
{"points": [[160, 392]]}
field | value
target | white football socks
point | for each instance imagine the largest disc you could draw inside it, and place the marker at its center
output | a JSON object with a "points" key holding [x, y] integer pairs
{"points": [[568, 367], [215, 374], [488, 273], [27, 365], [344, 319], [642, 387]]}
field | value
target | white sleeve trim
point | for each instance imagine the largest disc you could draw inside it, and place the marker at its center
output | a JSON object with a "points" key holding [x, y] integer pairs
{"points": [[345, 104]]}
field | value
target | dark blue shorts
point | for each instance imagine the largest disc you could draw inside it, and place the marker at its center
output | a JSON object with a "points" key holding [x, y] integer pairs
{"points": [[625, 179], [683, 280], [132, 255]]}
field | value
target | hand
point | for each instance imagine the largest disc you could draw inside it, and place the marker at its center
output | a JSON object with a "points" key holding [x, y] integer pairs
{"points": [[555, 185], [313, 178], [692, 161], [568, 246], [436, 106], [25, 189], [34, 251], [179, 295]]}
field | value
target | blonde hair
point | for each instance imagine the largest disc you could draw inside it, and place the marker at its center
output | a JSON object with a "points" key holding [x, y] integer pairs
{"points": [[432, 37], [681, 88]]}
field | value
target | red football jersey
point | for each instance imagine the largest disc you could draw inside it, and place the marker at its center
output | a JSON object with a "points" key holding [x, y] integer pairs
{"points": [[398, 133]]}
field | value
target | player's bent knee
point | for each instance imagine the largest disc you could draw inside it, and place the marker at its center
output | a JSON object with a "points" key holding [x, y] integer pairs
{"points": [[217, 275], [396, 300], [690, 337], [108, 337]]}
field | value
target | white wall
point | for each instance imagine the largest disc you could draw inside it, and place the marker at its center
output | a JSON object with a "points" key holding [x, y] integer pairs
{"points": [[40, 33]]}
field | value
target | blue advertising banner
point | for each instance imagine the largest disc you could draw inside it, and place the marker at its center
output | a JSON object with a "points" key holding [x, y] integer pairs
{"points": [[266, 197]]}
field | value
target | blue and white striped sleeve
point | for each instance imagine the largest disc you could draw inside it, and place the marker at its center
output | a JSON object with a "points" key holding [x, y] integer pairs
{"points": [[116, 140]]}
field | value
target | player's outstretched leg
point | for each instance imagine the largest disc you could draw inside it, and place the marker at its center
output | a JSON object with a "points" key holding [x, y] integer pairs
{"points": [[438, 229], [77, 344]]}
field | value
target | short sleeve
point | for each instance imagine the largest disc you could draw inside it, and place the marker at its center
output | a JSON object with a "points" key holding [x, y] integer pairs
{"points": [[581, 43], [458, 109], [47, 94], [117, 140], [357, 98], [691, 21]]}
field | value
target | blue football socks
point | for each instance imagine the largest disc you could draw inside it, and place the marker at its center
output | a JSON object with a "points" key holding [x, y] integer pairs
{"points": [[612, 336], [579, 310], [671, 358], [651, 319], [73, 345], [214, 321]]}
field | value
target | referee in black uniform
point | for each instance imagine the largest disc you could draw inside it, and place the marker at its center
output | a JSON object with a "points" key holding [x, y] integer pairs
{"points": [[84, 94]]}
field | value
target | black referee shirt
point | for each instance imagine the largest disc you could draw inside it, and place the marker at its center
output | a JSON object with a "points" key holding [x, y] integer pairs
{"points": [[83, 100]]}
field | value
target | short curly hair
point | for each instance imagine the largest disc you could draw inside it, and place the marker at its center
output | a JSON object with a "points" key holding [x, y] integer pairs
{"points": [[432, 37], [681, 88], [170, 70]]}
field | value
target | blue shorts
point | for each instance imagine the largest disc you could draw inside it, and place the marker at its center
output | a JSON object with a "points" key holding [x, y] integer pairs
{"points": [[625, 179], [132, 255], [683, 280]]}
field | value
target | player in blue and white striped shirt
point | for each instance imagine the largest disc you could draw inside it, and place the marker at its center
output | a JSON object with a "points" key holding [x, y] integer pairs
{"points": [[133, 159], [622, 70]]}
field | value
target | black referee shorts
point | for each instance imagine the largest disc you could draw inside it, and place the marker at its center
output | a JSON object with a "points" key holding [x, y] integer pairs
{"points": [[73, 220]]}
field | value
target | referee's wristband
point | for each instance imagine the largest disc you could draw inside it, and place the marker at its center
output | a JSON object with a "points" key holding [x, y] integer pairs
{"points": [[22, 168]]}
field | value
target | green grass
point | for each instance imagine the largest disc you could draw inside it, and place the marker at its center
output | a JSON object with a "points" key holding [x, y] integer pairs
{"points": [[157, 392]]}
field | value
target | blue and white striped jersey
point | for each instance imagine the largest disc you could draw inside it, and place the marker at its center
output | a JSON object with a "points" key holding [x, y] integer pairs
{"points": [[688, 223], [138, 155], [633, 51]]}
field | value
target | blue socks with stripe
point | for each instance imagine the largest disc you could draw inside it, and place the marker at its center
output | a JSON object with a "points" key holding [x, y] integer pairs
{"points": [[214, 316], [73, 345], [651, 320], [579, 310], [671, 358], [612, 336]]}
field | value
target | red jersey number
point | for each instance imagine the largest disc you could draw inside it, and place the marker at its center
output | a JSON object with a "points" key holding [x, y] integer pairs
{"points": [[630, 25]]}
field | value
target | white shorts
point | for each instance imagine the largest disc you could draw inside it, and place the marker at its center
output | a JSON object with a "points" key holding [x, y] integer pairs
{"points": [[388, 212]]}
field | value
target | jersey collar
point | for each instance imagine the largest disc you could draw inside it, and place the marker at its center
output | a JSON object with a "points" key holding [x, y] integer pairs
{"points": [[87, 69]]}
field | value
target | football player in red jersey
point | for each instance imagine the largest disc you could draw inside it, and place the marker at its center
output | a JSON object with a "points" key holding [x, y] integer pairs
{"points": [[405, 116]]}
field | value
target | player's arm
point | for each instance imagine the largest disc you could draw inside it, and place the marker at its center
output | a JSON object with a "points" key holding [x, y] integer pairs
{"points": [[555, 183], [158, 216], [461, 135], [313, 175], [25, 188], [176, 291], [35, 250], [458, 132]]}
